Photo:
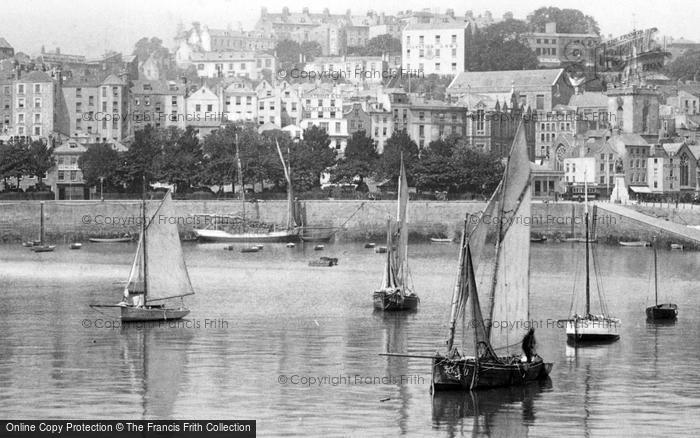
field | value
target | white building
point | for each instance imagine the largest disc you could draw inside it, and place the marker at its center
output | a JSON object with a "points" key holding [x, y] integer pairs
{"points": [[325, 110], [438, 48], [233, 64]]}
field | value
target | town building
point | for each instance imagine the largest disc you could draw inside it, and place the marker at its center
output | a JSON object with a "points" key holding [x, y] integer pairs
{"points": [[663, 169], [6, 107], [324, 108], [353, 69], [357, 119], [553, 49], [6, 50], [204, 110], [33, 105], [158, 103], [435, 48], [240, 102], [233, 64]]}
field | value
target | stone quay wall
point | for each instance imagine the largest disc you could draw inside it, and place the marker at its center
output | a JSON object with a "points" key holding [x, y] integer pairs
{"points": [[355, 220]]}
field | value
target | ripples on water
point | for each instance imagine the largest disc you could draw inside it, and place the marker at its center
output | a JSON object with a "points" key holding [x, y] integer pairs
{"points": [[286, 318]]}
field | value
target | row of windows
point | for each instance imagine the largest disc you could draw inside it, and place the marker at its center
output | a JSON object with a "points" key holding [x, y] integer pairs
{"points": [[22, 87], [421, 67], [242, 66], [73, 175], [421, 39], [21, 119], [552, 51], [551, 126], [21, 103], [36, 130], [421, 53]]}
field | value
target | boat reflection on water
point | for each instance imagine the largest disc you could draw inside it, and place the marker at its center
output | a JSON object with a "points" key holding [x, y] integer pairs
{"points": [[155, 357], [499, 412]]}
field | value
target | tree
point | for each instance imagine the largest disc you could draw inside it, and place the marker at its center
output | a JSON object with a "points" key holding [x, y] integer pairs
{"points": [[568, 20], [501, 46], [310, 50], [14, 161], [310, 158], [360, 159], [101, 161], [684, 67], [182, 159], [144, 48], [41, 160], [390, 162], [219, 156], [141, 161]]}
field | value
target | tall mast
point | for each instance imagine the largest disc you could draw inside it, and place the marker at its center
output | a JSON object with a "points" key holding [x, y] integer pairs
{"points": [[240, 178], [41, 231], [656, 278], [588, 280], [458, 289], [143, 240]]}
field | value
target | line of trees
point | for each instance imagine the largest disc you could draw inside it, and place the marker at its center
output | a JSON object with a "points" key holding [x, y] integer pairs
{"points": [[178, 157], [19, 159]]}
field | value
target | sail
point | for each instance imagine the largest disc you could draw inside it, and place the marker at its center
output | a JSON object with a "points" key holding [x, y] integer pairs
{"points": [[291, 217], [402, 232], [389, 278], [166, 273], [135, 282], [508, 299]]}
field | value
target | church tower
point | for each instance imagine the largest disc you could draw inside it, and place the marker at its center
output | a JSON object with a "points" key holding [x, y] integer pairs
{"points": [[634, 109]]}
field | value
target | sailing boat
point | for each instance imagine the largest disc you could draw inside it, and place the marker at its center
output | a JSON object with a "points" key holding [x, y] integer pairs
{"points": [[659, 312], [394, 293], [289, 234], [42, 246], [589, 327], [506, 292], [158, 272]]}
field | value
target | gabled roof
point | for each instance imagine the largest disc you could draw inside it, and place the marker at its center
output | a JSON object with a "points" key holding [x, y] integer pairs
{"points": [[201, 92], [36, 76], [504, 81], [672, 148], [70, 147], [4, 44], [113, 80]]}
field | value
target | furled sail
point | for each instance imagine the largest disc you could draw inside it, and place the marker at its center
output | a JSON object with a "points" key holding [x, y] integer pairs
{"points": [[402, 230], [135, 282], [291, 216], [508, 310], [166, 273]]}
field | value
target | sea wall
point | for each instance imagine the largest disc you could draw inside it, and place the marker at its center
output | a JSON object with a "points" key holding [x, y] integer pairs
{"points": [[356, 220]]}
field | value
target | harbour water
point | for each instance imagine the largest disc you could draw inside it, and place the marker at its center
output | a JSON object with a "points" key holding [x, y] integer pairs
{"points": [[296, 347]]}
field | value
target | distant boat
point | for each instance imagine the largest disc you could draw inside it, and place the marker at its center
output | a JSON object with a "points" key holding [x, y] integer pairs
{"points": [[394, 293], [250, 249], [289, 234], [677, 246], [319, 248], [635, 243], [589, 327], [380, 249], [76, 245], [580, 240], [538, 239], [111, 239], [41, 246], [441, 240], [503, 296], [158, 272], [660, 312], [370, 245], [291, 245], [324, 261]]}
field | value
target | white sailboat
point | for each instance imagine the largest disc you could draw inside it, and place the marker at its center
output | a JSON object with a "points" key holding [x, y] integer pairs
{"points": [[503, 294], [589, 327], [290, 233], [158, 272], [394, 293], [41, 246]]}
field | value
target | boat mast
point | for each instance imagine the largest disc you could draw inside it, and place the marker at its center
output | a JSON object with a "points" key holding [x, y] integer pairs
{"points": [[458, 288], [588, 279], [41, 231], [240, 178], [143, 240], [656, 278]]}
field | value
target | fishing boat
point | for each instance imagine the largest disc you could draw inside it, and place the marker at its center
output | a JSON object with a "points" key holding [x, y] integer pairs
{"points": [[394, 293], [440, 240], [504, 290], [580, 240], [589, 327], [380, 249], [212, 232], [538, 239], [635, 243], [41, 246], [76, 245], [111, 239], [677, 246], [660, 312], [370, 245], [324, 261], [158, 272]]}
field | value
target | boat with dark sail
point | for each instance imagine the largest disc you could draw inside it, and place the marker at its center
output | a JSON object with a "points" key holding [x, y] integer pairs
{"points": [[250, 232], [41, 245], [589, 327], [505, 290], [660, 312], [158, 272], [394, 293]]}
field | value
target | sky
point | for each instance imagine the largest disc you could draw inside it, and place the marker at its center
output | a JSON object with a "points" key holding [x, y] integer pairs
{"points": [[91, 27]]}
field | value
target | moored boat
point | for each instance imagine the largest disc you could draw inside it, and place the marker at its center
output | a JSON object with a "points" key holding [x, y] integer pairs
{"points": [[506, 294], [635, 243], [111, 239], [440, 240], [41, 246], [158, 272], [660, 312], [394, 293], [589, 327], [677, 246], [76, 245]]}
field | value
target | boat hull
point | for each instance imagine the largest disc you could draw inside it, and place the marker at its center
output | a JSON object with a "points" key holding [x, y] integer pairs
{"points": [[43, 248], [115, 240], [466, 374], [593, 330], [155, 313], [638, 243], [393, 301], [662, 312], [223, 236], [440, 240]]}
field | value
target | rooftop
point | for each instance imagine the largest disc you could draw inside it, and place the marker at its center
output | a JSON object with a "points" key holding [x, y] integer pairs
{"points": [[504, 81]]}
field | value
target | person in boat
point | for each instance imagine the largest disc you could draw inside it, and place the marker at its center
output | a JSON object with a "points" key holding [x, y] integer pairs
{"points": [[529, 344]]}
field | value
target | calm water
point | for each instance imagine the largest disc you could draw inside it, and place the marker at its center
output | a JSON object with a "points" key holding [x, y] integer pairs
{"points": [[275, 316]]}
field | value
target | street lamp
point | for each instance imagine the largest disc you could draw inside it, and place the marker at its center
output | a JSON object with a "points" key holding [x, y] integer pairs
{"points": [[102, 179]]}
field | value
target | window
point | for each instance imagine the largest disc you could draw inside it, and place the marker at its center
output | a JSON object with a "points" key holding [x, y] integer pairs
{"points": [[73, 175], [421, 53], [454, 39], [37, 118], [115, 91], [20, 103], [61, 175], [421, 40], [437, 53], [37, 130], [539, 102], [104, 91], [198, 107], [337, 127], [408, 39], [37, 102], [20, 118], [210, 108], [437, 66], [20, 88], [200, 66], [454, 66], [421, 131]]}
